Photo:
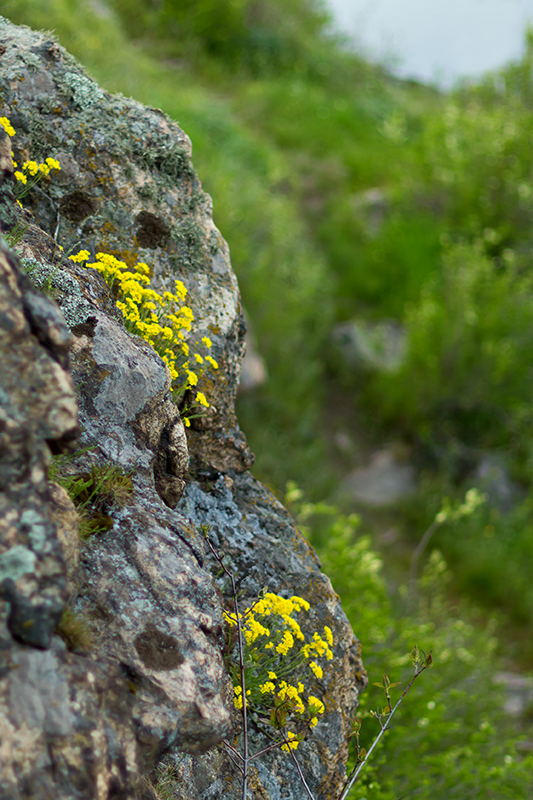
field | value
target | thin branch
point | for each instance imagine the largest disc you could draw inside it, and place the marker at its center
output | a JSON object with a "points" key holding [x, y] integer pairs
{"points": [[419, 549], [235, 763], [266, 749], [230, 747], [241, 663], [289, 748], [357, 769]]}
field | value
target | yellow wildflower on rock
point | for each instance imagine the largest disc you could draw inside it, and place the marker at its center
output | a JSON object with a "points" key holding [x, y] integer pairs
{"points": [[7, 126], [83, 255], [292, 742], [201, 398], [315, 705], [317, 669]]}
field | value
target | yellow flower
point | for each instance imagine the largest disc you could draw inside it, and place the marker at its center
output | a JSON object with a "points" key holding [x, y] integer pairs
{"points": [[181, 291], [267, 688], [44, 169], [53, 163], [192, 377], [292, 742], [286, 643], [315, 705], [273, 676], [201, 398], [300, 603], [316, 669], [212, 361], [5, 123], [329, 635], [83, 255], [143, 268], [254, 630], [21, 177], [31, 166], [198, 358], [207, 341]]}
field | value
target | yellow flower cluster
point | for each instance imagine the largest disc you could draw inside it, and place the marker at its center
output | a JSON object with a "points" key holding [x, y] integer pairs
{"points": [[292, 742], [35, 170], [31, 168], [161, 319], [275, 648], [290, 693], [7, 126], [319, 646], [238, 696]]}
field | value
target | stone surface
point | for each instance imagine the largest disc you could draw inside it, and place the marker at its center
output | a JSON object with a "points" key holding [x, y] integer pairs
{"points": [[518, 690], [253, 367], [37, 405], [147, 688], [492, 477], [376, 346], [126, 187], [263, 550], [385, 481]]}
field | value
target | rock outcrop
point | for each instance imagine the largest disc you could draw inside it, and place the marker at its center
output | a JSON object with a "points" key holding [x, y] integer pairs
{"points": [[111, 649]]}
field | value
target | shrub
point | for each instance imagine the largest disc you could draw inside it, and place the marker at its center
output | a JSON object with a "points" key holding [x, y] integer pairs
{"points": [[468, 380], [450, 737]]}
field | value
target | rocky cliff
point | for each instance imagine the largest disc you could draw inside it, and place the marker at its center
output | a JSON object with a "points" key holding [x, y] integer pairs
{"points": [[113, 682]]}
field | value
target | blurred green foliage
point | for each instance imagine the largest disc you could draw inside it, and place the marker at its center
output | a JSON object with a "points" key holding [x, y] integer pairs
{"points": [[450, 737]]}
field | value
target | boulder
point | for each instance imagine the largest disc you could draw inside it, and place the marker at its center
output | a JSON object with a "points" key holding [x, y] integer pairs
{"points": [[142, 686], [376, 346]]}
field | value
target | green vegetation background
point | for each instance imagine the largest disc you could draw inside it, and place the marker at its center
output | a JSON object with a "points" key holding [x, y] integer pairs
{"points": [[290, 129]]}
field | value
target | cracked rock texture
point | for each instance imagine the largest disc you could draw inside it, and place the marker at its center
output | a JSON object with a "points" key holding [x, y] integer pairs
{"points": [[111, 648]]}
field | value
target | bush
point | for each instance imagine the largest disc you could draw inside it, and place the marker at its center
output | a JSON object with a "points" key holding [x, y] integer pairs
{"points": [[468, 380], [450, 738]]}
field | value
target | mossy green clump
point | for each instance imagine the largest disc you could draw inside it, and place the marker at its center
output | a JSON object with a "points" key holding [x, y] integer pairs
{"points": [[75, 631], [94, 492]]}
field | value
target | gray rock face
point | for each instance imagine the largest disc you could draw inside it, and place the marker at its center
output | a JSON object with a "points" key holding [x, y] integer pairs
{"points": [[385, 481], [37, 404], [127, 187], [376, 346], [144, 684]]}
